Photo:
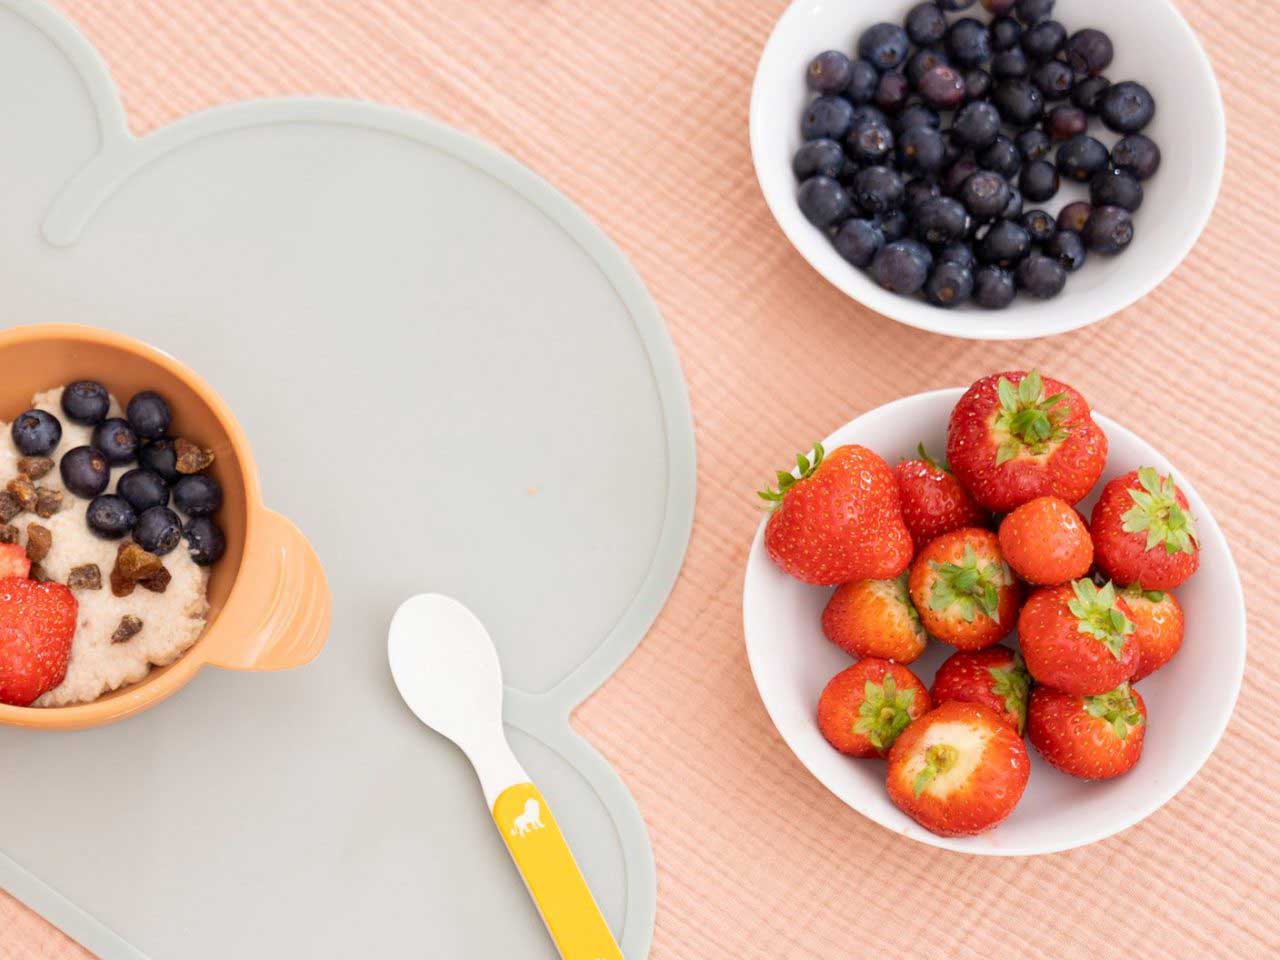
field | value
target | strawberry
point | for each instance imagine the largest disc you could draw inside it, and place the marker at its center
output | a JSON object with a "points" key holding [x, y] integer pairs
{"points": [[864, 708], [14, 561], [37, 622], [1158, 621], [1046, 543], [875, 618], [994, 677], [933, 502], [1078, 638], [840, 520], [963, 589], [1091, 737], [958, 770], [1015, 436], [1143, 532]]}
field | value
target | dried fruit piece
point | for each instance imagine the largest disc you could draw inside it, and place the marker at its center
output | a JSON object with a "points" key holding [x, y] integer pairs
{"points": [[48, 502], [158, 582], [24, 491], [8, 533], [128, 629], [135, 563], [38, 573], [9, 506], [87, 576], [191, 457], [35, 467], [39, 541]]}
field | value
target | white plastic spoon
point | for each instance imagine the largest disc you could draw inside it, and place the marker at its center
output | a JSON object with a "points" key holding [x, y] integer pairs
{"points": [[446, 669]]}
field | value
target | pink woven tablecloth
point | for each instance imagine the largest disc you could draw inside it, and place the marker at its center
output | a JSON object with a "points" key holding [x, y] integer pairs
{"points": [[638, 112]]}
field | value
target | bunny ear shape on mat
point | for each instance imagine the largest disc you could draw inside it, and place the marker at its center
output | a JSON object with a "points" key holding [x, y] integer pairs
{"points": [[453, 381]]}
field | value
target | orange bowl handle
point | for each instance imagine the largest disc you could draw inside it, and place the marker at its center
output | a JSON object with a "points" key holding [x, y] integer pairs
{"points": [[279, 610]]}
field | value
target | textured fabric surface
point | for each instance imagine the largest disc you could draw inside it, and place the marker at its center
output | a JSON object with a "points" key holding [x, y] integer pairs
{"points": [[638, 112]]}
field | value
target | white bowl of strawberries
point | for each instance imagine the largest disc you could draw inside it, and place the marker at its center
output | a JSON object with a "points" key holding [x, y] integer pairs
{"points": [[911, 628]]}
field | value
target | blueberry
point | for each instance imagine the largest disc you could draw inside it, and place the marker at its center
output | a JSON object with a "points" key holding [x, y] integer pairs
{"points": [[893, 92], [960, 253], [1126, 107], [925, 24], [1109, 230], [1088, 92], [1089, 52], [870, 142], [1082, 158], [863, 80], [949, 285], [1014, 208], [999, 8], [858, 241], [158, 530], [144, 488], [968, 42], [829, 72], [941, 220], [919, 190], [1002, 157], [954, 149], [1054, 79], [159, 455], [867, 113], [818, 158], [204, 541], [117, 441], [957, 174], [1063, 123], [1039, 181], [36, 433], [85, 472], [985, 194], [977, 84], [1004, 244], [1031, 12], [956, 4], [1067, 248], [942, 87], [110, 516], [1033, 144], [149, 415], [1074, 216], [1041, 277], [895, 225], [993, 288], [829, 118], [1006, 33], [1019, 101], [1115, 188], [877, 190], [1010, 64], [921, 150], [823, 201], [917, 115], [86, 401], [1039, 225], [902, 266], [885, 45], [977, 125], [1043, 41], [1137, 154]]}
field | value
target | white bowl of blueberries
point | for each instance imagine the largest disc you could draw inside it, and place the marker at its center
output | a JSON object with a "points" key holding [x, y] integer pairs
{"points": [[1007, 170]]}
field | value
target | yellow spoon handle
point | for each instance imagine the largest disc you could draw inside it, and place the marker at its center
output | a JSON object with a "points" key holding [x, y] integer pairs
{"points": [[552, 875]]}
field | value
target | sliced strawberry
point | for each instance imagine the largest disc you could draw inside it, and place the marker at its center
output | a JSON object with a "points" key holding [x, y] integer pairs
{"points": [[933, 502], [37, 623], [864, 708], [1143, 531], [964, 591], [875, 618], [995, 678], [1091, 737], [1078, 638], [14, 561]]}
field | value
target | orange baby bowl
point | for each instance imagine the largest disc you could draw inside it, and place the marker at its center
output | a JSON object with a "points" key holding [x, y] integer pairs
{"points": [[269, 604]]}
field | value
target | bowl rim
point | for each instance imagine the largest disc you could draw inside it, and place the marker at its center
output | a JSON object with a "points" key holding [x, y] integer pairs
{"points": [[854, 284], [1160, 795]]}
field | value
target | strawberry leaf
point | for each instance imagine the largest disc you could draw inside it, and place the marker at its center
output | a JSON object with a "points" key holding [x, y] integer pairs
{"points": [[971, 586], [786, 481], [1013, 685], [1118, 707], [1157, 511], [1098, 616], [1027, 419], [884, 712]]}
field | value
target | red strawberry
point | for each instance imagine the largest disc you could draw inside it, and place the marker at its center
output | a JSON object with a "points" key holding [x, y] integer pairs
{"points": [[1046, 543], [14, 561], [933, 502], [1090, 737], [1078, 638], [964, 591], [958, 770], [841, 520], [1014, 437], [1143, 532], [994, 677], [875, 618], [37, 622], [864, 708], [1157, 617]]}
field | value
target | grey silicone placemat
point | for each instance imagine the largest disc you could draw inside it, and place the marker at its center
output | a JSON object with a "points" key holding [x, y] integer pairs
{"points": [[451, 381]]}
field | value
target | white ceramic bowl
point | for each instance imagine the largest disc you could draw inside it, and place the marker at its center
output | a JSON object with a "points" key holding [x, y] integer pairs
{"points": [[1153, 45], [1189, 701]]}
